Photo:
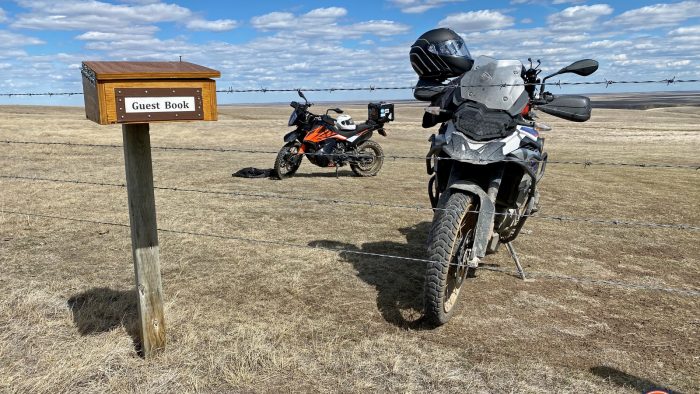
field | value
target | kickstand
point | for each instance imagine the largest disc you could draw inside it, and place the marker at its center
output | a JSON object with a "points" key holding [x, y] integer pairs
{"points": [[336, 170], [514, 255]]}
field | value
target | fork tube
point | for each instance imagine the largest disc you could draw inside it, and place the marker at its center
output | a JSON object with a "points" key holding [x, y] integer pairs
{"points": [[494, 185], [492, 192]]}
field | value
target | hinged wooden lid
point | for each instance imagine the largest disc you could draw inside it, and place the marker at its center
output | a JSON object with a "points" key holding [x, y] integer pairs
{"points": [[149, 70]]}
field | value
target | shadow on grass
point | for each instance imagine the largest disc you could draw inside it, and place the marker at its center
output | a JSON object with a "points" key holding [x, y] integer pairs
{"points": [[103, 309], [324, 173], [624, 379], [399, 283], [258, 173]]}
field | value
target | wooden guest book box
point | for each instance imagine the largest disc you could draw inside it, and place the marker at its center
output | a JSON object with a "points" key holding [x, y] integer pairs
{"points": [[147, 92]]}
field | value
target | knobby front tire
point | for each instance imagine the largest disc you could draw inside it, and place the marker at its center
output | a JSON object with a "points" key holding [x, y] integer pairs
{"points": [[450, 235], [284, 165]]}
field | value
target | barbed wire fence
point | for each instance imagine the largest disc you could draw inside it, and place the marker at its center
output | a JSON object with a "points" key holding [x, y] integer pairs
{"points": [[280, 243], [584, 162], [371, 88], [557, 218]]}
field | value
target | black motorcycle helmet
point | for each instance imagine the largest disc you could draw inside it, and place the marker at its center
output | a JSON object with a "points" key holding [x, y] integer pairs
{"points": [[440, 54]]}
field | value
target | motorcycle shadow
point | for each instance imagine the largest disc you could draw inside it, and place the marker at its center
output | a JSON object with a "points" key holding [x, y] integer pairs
{"points": [[399, 283]]}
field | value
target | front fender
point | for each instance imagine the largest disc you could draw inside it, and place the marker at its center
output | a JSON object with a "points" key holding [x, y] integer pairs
{"points": [[291, 136], [484, 222]]}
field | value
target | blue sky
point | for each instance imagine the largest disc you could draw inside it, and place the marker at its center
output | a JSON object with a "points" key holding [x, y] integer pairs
{"points": [[282, 44]]}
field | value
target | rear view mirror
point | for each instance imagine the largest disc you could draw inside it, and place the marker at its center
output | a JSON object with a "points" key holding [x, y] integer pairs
{"points": [[336, 110], [582, 67], [301, 94]]}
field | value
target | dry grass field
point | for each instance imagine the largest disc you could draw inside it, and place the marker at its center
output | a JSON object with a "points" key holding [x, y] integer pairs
{"points": [[247, 317]]}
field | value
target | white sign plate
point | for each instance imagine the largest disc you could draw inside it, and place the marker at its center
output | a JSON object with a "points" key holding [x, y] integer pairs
{"points": [[133, 105]]}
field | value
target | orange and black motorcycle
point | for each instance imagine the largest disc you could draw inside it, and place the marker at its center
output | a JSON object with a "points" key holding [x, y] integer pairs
{"points": [[327, 143]]}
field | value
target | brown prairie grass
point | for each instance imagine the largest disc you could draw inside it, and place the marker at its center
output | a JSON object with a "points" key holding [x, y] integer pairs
{"points": [[248, 317]]}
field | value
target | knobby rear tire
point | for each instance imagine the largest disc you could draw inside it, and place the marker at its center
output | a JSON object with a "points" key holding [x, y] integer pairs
{"points": [[444, 279], [370, 169]]}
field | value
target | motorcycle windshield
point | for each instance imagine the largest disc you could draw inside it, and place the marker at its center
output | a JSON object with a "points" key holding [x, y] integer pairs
{"points": [[292, 118], [497, 84]]}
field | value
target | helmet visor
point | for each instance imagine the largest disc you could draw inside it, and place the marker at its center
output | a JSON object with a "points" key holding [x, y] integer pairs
{"points": [[456, 48]]}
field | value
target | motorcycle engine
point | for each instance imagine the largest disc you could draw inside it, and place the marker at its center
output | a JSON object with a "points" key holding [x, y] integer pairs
{"points": [[506, 220], [330, 153], [339, 154]]}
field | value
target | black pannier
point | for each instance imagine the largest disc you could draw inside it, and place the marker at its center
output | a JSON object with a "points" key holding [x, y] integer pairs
{"points": [[479, 123], [380, 112]]}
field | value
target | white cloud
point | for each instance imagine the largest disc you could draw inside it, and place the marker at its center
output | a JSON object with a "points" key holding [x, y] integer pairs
{"points": [[287, 20], [140, 33], [381, 28], [3, 16], [657, 15], [684, 31], [568, 1], [570, 38], [607, 44], [685, 35], [105, 17], [90, 14], [326, 14], [580, 17], [420, 6], [679, 63], [215, 25], [546, 2], [323, 23], [273, 21], [14, 40], [477, 21], [140, 1]]}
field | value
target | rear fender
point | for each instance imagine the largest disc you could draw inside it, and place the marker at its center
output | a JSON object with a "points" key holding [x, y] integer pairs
{"points": [[364, 137], [484, 222]]}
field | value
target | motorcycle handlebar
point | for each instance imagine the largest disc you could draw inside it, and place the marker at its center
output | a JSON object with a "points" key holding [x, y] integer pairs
{"points": [[545, 98]]}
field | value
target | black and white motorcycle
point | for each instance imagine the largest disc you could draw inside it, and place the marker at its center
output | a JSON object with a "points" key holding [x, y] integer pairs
{"points": [[486, 162]]}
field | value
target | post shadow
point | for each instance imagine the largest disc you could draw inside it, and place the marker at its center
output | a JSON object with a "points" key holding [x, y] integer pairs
{"points": [[623, 379], [102, 309], [399, 283]]}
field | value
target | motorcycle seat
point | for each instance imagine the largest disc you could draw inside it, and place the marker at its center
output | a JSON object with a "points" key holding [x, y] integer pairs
{"points": [[328, 120], [359, 128]]}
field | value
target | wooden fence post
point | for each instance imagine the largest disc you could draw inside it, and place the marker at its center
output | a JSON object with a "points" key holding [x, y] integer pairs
{"points": [[144, 236], [134, 94]]}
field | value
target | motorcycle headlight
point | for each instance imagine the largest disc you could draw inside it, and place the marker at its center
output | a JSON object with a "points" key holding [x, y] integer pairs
{"points": [[292, 118]]}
